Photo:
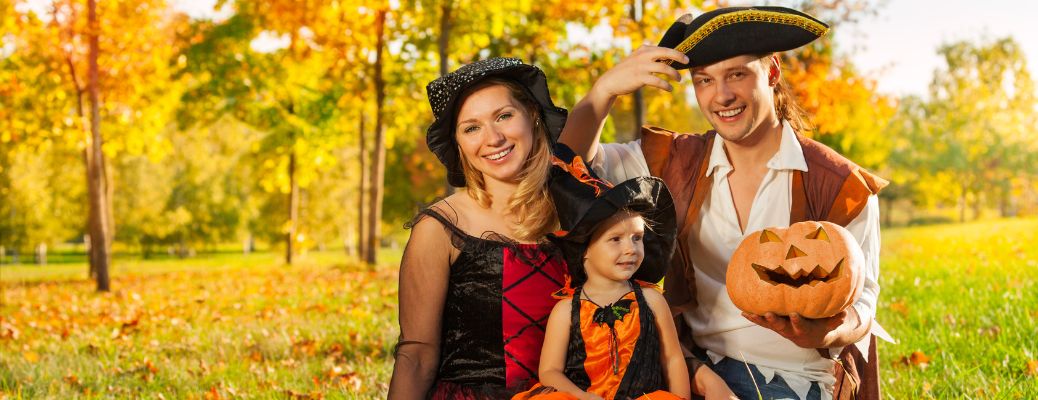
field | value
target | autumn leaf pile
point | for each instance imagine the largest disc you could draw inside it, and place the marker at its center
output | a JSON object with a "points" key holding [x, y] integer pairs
{"points": [[286, 332]]}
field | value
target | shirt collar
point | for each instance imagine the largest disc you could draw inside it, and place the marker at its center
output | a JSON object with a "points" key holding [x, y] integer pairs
{"points": [[790, 155]]}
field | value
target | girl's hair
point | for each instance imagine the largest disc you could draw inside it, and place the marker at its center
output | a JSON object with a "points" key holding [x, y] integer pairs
{"points": [[621, 213], [786, 107], [531, 204]]}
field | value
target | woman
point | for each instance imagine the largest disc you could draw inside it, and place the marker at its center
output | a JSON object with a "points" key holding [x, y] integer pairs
{"points": [[477, 276]]}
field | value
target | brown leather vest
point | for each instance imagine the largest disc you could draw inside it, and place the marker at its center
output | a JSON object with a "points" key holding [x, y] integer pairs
{"points": [[834, 189]]}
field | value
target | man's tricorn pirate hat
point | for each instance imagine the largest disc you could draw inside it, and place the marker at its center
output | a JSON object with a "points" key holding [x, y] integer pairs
{"points": [[734, 31]]}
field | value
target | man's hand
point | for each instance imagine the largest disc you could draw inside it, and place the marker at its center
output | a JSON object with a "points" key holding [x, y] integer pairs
{"points": [[638, 70], [808, 333]]}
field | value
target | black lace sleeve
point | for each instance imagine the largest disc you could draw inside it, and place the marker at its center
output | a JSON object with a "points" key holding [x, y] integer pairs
{"points": [[424, 274]]}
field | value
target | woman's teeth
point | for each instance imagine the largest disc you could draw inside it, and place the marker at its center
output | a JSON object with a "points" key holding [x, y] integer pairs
{"points": [[730, 113], [498, 155]]}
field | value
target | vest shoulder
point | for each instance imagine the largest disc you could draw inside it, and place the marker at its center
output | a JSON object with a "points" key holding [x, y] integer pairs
{"points": [[822, 157]]}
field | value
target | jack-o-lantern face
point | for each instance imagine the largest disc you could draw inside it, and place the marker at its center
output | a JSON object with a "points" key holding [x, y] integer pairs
{"points": [[811, 268]]}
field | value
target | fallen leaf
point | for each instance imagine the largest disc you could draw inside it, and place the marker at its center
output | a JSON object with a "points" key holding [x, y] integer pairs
{"points": [[8, 331], [1032, 368], [920, 359], [31, 356], [71, 379], [991, 331], [213, 394], [151, 367], [900, 307], [306, 346], [294, 395]]}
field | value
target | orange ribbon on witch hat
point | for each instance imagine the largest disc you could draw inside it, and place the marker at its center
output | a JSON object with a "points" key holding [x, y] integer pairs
{"points": [[578, 169]]}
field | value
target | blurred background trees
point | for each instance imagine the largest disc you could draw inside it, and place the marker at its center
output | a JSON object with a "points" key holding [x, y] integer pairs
{"points": [[298, 125]]}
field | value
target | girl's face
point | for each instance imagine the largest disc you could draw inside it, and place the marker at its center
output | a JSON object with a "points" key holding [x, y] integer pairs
{"points": [[616, 249], [494, 133]]}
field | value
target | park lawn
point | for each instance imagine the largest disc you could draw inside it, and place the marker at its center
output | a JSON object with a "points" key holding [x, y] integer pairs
{"points": [[966, 298], [215, 327], [962, 298]]}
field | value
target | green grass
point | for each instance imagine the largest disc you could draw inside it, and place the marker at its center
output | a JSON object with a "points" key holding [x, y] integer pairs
{"points": [[965, 296]]}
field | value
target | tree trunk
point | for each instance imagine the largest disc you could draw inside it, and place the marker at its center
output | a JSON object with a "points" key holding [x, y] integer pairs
{"points": [[293, 204], [888, 219], [379, 161], [1005, 201], [100, 243], [444, 52], [362, 232], [962, 204], [976, 206], [41, 254]]}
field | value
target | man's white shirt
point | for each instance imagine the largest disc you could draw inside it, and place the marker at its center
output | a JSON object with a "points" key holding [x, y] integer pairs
{"points": [[717, 325]]}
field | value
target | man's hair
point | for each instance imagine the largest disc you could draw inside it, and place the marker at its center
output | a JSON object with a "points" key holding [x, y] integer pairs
{"points": [[786, 107]]}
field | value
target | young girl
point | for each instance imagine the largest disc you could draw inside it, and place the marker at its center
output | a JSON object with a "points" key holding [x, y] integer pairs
{"points": [[612, 335]]}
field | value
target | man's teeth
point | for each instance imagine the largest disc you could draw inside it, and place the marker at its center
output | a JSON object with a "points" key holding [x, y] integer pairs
{"points": [[730, 113], [498, 155]]}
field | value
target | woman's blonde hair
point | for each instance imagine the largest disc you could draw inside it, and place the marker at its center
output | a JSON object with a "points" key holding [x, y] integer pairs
{"points": [[531, 204]]}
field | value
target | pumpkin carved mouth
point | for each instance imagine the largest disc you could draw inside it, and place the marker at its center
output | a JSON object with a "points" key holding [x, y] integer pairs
{"points": [[780, 276]]}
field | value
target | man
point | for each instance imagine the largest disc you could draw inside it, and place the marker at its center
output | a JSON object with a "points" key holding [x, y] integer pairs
{"points": [[754, 170]]}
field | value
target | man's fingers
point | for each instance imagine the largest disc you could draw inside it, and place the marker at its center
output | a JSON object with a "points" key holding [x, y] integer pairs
{"points": [[798, 324], [776, 322], [663, 53], [757, 319], [835, 320], [664, 69], [657, 82], [657, 53]]}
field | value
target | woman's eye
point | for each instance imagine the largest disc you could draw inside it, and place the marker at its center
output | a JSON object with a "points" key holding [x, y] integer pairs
{"points": [[504, 116], [470, 129]]}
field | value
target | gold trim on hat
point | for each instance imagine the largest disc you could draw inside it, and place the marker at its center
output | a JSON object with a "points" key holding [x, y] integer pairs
{"points": [[751, 15]]}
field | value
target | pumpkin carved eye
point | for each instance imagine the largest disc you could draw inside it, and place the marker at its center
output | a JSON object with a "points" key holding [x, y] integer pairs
{"points": [[767, 236], [818, 235]]}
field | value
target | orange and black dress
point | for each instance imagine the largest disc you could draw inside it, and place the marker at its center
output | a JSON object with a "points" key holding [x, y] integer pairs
{"points": [[499, 296], [614, 350]]}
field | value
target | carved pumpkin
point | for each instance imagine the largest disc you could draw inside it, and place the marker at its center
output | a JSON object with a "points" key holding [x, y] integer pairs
{"points": [[811, 268]]}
